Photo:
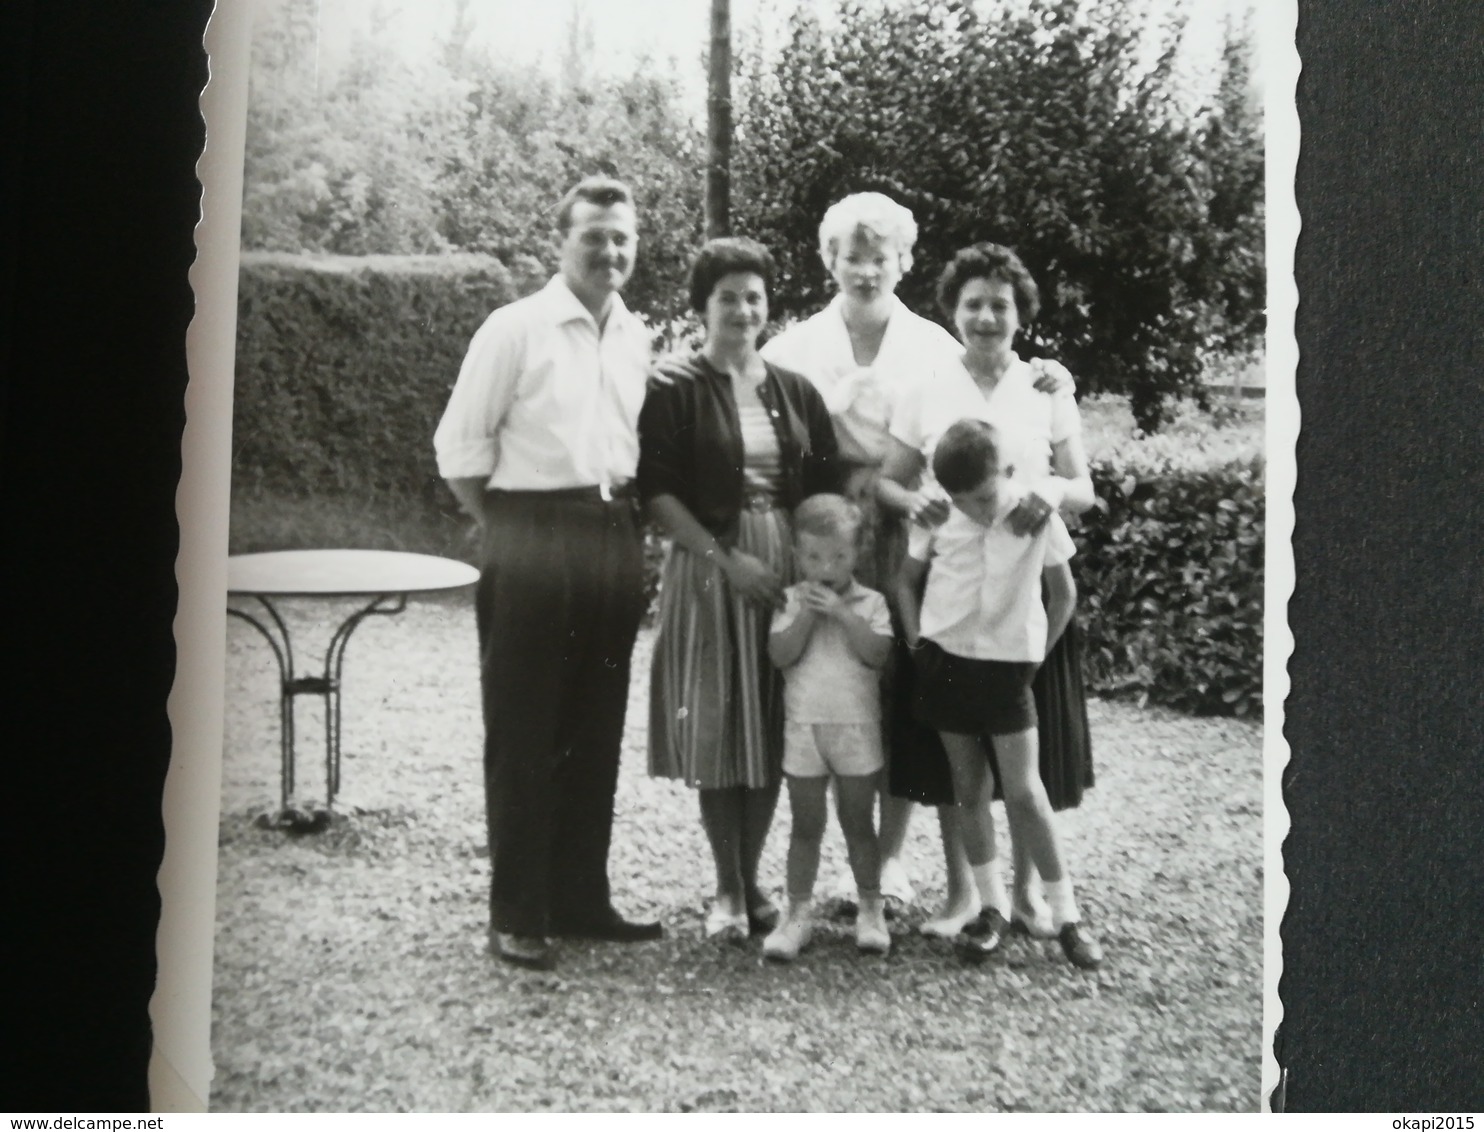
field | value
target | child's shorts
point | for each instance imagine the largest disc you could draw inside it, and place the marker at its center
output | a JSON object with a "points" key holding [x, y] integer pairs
{"points": [[811, 750], [973, 697]]}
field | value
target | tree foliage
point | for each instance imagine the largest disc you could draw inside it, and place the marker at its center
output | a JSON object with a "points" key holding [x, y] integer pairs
{"points": [[1059, 127], [1045, 126], [455, 152]]}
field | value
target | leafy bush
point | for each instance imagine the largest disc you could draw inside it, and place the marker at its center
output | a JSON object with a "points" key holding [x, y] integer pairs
{"points": [[1170, 579], [344, 366], [1042, 126]]}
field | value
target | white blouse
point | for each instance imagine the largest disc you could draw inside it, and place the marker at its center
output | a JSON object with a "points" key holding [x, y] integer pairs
{"points": [[1027, 421], [863, 400]]}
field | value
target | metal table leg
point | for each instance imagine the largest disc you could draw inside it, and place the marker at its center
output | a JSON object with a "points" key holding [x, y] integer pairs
{"points": [[334, 665], [326, 685]]}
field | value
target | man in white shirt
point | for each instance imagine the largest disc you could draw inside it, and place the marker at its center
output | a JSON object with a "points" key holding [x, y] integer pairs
{"points": [[539, 444]]}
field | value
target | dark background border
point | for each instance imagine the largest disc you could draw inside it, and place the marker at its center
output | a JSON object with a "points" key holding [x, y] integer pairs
{"points": [[1382, 935]]}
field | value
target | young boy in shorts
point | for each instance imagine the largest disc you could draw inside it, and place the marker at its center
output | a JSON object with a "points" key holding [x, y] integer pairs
{"points": [[830, 639], [978, 636]]}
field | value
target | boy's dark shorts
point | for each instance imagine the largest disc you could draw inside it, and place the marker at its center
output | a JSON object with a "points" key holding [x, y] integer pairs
{"points": [[973, 697]]}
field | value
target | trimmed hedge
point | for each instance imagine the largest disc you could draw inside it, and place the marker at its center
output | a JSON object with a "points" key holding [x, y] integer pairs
{"points": [[344, 366], [1170, 582]]}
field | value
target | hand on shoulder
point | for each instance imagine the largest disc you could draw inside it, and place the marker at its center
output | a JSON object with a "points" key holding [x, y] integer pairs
{"points": [[670, 368], [929, 508], [1052, 377]]}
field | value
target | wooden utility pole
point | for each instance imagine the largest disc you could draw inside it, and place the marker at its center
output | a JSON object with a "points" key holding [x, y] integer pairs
{"points": [[719, 123]]}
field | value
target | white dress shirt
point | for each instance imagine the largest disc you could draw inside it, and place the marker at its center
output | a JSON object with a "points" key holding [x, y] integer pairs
{"points": [[983, 597], [546, 401]]}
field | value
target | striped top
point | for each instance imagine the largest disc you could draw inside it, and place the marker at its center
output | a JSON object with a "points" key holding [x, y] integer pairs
{"points": [[761, 465]]}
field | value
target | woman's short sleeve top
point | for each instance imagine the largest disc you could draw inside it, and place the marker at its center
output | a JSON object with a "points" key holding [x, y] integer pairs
{"points": [[1028, 421], [862, 400]]}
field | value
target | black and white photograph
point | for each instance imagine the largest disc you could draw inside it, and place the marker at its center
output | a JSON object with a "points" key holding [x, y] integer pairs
{"points": [[662, 437]]}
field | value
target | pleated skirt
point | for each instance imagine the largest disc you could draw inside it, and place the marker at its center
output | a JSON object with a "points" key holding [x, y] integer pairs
{"points": [[715, 699], [918, 766], [1061, 708]]}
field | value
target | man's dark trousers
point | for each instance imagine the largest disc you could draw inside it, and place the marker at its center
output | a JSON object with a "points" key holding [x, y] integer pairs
{"points": [[561, 593]]}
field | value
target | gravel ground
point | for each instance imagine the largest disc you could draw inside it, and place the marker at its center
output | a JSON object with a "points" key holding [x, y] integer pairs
{"points": [[350, 970]]}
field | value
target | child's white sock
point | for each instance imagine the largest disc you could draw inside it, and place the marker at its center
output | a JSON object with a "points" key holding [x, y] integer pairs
{"points": [[1063, 903], [990, 881]]}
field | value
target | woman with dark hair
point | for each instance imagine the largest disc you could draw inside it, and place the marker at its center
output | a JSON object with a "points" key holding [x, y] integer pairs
{"points": [[864, 352], [729, 445], [988, 295]]}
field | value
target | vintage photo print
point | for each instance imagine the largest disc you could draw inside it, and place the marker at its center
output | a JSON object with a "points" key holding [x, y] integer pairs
{"points": [[737, 560]]}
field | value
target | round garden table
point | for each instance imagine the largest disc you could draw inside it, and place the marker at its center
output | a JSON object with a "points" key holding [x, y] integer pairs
{"points": [[387, 577]]}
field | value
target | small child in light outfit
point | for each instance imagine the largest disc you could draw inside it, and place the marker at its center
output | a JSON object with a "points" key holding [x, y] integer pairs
{"points": [[979, 634], [831, 639]]}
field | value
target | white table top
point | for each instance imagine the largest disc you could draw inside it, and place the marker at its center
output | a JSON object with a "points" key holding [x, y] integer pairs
{"points": [[327, 573]]}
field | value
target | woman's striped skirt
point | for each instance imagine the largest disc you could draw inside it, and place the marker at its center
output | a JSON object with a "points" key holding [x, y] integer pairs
{"points": [[715, 699]]}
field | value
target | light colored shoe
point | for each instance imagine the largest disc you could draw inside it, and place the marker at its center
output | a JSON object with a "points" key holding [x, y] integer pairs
{"points": [[788, 939], [1031, 915], [725, 924], [896, 887], [871, 933], [840, 897], [949, 924]]}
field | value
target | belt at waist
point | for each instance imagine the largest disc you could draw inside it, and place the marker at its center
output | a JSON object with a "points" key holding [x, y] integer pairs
{"points": [[596, 493], [758, 500]]}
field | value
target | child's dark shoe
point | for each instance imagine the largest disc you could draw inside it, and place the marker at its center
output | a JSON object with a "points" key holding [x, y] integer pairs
{"points": [[981, 936], [1080, 946]]}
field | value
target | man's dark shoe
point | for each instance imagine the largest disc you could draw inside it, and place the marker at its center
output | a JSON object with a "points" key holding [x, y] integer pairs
{"points": [[1080, 946], [531, 952], [981, 936], [609, 926]]}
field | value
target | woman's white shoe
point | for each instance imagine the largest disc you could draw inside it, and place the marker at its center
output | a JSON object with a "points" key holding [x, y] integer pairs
{"points": [[951, 923], [725, 924], [788, 939], [871, 933], [1030, 914], [895, 884]]}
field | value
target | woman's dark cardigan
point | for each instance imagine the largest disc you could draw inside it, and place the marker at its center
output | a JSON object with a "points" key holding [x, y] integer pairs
{"points": [[690, 443]]}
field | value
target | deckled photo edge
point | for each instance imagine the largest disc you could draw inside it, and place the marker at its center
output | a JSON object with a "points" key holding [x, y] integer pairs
{"points": [[181, 1068]]}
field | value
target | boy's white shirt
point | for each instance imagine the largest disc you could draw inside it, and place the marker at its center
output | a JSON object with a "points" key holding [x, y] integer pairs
{"points": [[983, 596], [829, 683]]}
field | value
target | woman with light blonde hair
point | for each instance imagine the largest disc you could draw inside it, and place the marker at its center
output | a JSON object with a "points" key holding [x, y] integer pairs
{"points": [[867, 354]]}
